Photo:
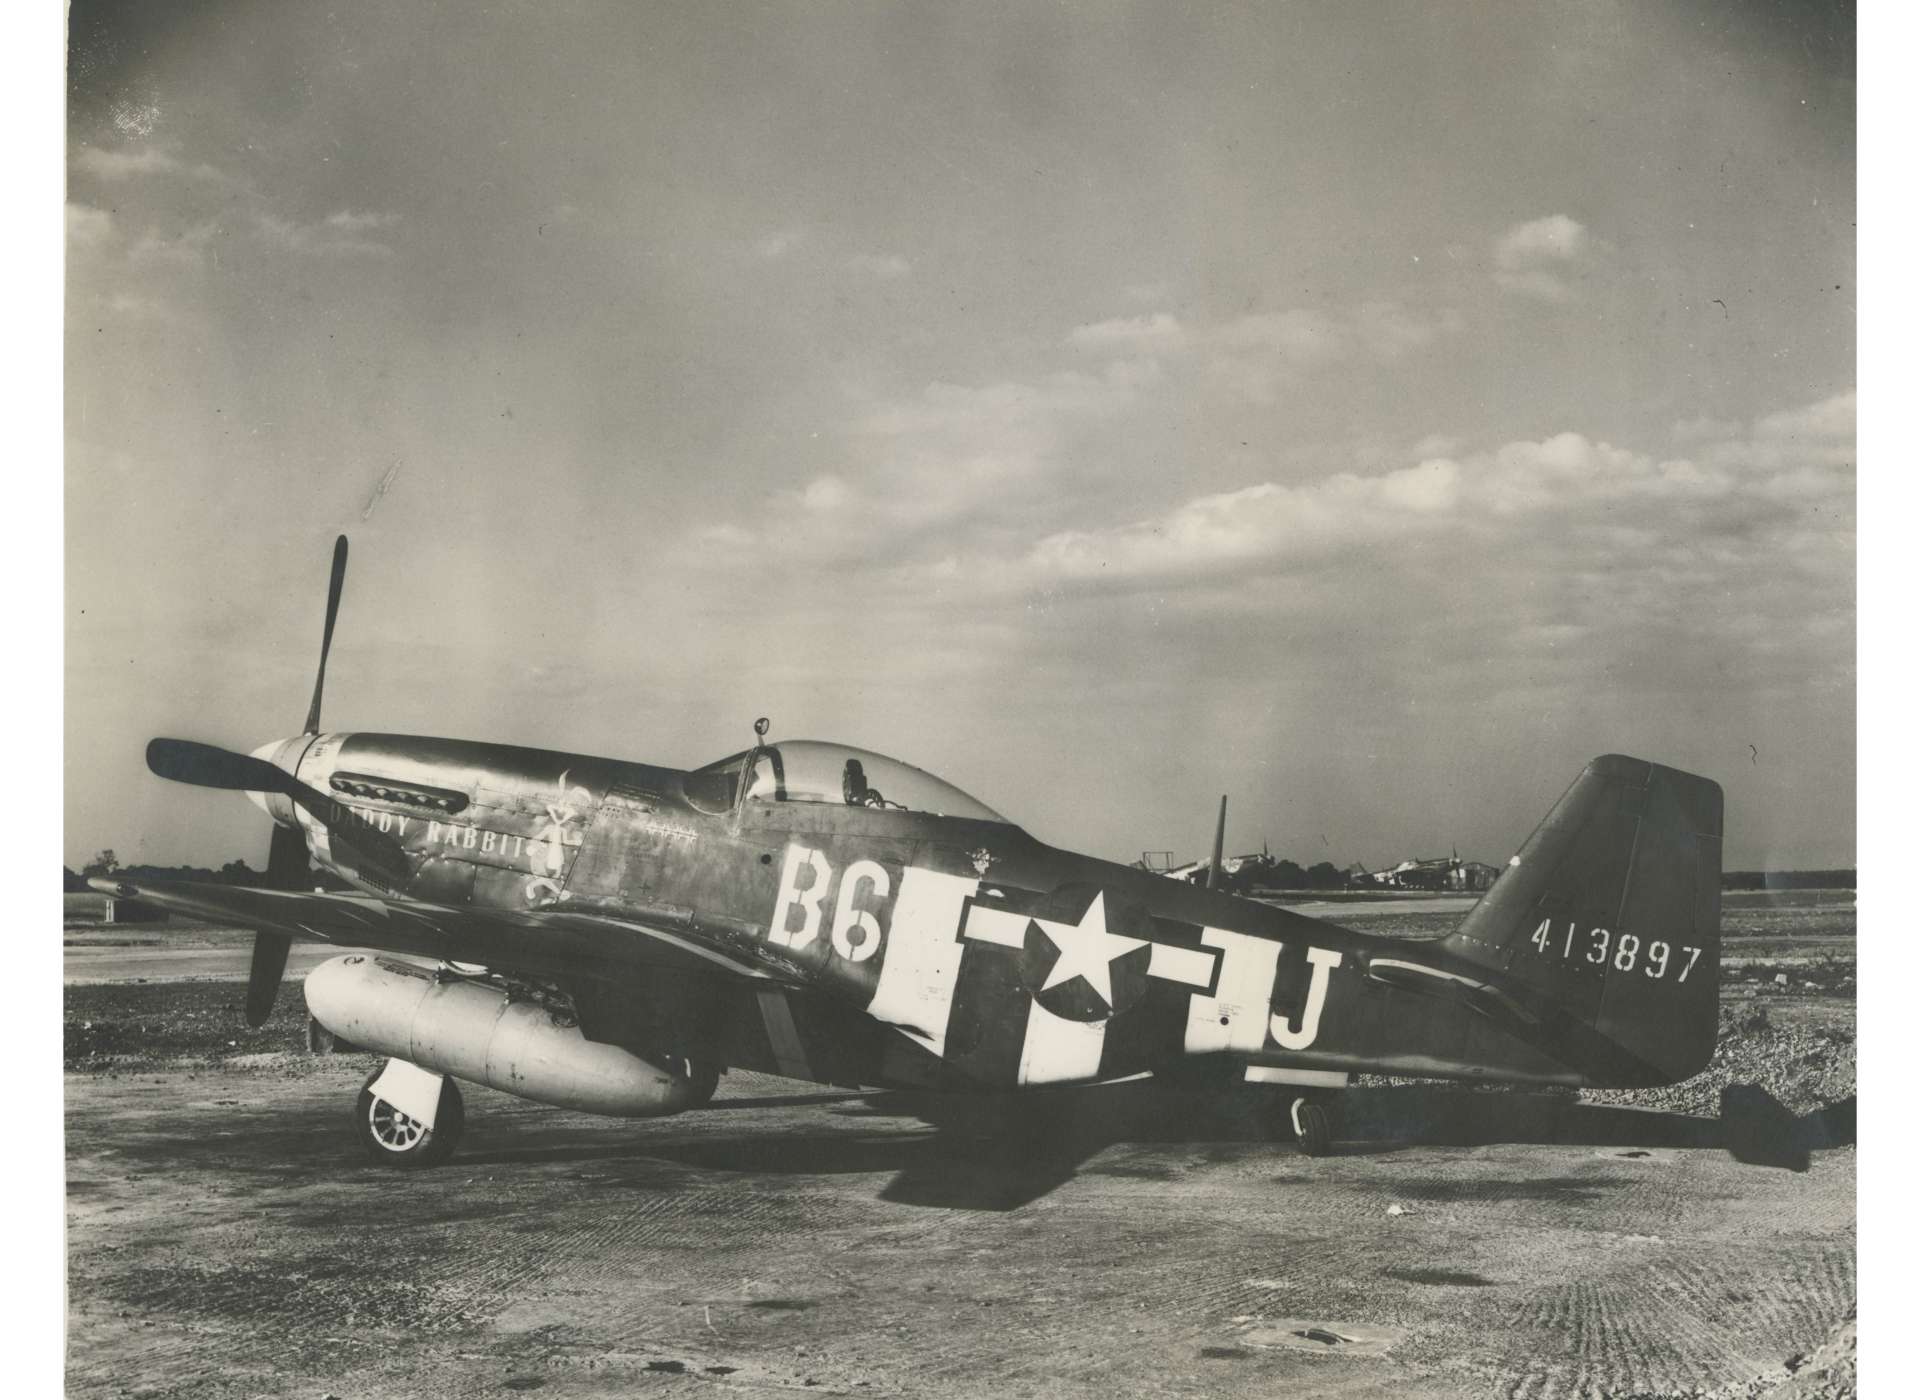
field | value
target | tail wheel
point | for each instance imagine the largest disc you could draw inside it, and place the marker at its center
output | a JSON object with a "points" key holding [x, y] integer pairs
{"points": [[392, 1139], [1311, 1126]]}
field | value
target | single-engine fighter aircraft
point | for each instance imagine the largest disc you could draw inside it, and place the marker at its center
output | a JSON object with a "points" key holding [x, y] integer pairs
{"points": [[606, 935]]}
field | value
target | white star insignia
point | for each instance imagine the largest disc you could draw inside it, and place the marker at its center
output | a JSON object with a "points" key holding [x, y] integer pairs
{"points": [[1087, 949]]}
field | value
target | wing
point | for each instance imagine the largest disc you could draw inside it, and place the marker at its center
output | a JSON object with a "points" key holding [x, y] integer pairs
{"points": [[541, 942]]}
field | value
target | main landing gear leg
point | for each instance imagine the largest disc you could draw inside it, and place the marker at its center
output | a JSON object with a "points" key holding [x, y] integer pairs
{"points": [[408, 1117]]}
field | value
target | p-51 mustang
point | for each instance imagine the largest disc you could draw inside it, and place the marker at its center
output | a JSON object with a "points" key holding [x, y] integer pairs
{"points": [[608, 935]]}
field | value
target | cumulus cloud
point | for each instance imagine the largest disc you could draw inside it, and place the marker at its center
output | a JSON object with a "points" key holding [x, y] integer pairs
{"points": [[1436, 445], [1543, 257], [1253, 354], [1704, 428], [134, 162], [1160, 332], [771, 247], [1388, 330], [350, 221], [825, 495], [87, 227], [957, 453], [1257, 524], [346, 233], [948, 464], [724, 535], [1008, 410], [135, 307], [1830, 420], [882, 267], [203, 202], [175, 248], [1521, 500], [1297, 335], [1816, 435], [1578, 591]]}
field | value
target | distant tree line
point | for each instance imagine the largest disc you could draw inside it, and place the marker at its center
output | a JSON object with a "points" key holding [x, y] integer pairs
{"points": [[1788, 879], [1288, 875], [106, 865], [1280, 875]]}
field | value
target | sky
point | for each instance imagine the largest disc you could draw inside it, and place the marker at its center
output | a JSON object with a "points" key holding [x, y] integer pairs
{"points": [[1368, 412]]}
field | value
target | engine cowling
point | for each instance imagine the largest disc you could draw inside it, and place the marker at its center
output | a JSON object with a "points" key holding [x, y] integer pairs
{"points": [[476, 1032]]}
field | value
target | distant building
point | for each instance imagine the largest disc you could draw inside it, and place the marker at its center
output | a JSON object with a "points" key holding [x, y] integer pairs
{"points": [[1475, 877]]}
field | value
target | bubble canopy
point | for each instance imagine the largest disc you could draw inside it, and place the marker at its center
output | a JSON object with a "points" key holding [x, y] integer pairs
{"points": [[809, 770]]}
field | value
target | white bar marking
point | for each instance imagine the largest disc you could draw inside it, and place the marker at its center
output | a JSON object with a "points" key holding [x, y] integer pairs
{"points": [[1310, 1078], [1172, 963], [1059, 1051], [922, 959], [1235, 1017], [1000, 926]]}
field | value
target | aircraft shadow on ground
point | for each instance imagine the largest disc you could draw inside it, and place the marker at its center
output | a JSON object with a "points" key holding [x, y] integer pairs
{"points": [[997, 1153], [1753, 1126]]}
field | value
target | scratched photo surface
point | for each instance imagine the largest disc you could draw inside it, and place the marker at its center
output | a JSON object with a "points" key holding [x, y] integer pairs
{"points": [[1048, 419]]}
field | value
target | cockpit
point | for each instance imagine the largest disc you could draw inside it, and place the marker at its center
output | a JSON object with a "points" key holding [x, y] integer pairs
{"points": [[807, 770]]}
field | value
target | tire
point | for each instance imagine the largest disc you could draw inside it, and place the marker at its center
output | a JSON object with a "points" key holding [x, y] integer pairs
{"points": [[1310, 1125], [1335, 1107], [392, 1139], [703, 1075]]}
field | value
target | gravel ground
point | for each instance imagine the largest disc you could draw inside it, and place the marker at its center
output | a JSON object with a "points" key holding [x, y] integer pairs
{"points": [[226, 1241], [1829, 1372], [1801, 1054]]}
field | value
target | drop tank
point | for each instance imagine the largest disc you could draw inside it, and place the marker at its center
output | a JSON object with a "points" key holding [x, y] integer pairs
{"points": [[475, 1032]]}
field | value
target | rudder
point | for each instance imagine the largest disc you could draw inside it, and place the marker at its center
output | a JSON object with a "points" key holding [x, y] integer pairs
{"points": [[1606, 926]]}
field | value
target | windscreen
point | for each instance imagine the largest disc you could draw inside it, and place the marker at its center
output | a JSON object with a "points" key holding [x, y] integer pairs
{"points": [[808, 770]]}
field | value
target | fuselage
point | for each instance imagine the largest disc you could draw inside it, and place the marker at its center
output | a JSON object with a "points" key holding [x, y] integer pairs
{"points": [[974, 955]]}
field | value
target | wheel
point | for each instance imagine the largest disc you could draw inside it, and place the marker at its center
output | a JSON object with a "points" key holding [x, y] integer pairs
{"points": [[703, 1075], [1311, 1127], [1335, 1107], [394, 1140]]}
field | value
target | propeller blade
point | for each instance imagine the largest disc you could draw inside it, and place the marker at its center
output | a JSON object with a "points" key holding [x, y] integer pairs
{"points": [[287, 869], [326, 636], [287, 864], [371, 852], [1219, 840], [264, 974], [203, 765], [374, 853]]}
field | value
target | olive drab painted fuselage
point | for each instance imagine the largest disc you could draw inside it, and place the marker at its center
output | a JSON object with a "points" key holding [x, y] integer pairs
{"points": [[608, 935], [905, 936]]}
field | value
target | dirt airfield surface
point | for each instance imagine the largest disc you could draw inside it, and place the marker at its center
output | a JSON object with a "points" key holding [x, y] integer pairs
{"points": [[226, 1238]]}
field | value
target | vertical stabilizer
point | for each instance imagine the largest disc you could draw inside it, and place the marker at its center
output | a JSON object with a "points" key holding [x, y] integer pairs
{"points": [[1606, 925]]}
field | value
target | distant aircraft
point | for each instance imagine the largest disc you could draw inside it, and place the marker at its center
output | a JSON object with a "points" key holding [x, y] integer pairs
{"points": [[609, 935]]}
